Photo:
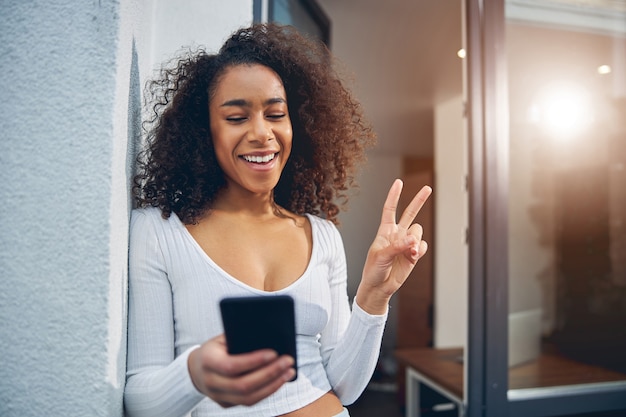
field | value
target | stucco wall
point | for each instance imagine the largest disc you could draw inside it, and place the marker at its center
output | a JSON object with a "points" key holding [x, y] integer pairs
{"points": [[191, 23], [66, 76], [70, 124]]}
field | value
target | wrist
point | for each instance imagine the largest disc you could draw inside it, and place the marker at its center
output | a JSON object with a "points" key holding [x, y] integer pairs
{"points": [[371, 301], [192, 366]]}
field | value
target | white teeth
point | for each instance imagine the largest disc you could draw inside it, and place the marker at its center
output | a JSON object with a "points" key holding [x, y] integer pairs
{"points": [[259, 159]]}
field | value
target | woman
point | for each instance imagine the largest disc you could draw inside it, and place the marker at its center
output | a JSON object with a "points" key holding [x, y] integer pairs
{"points": [[249, 152]]}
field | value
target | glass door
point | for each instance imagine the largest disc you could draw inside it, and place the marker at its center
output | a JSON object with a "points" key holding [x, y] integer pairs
{"points": [[546, 87], [566, 65]]}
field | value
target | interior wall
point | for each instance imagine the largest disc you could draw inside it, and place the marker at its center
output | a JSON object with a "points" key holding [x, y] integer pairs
{"points": [[374, 41], [451, 222]]}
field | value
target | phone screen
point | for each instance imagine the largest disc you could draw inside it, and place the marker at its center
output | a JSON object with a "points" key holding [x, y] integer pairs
{"points": [[260, 322]]}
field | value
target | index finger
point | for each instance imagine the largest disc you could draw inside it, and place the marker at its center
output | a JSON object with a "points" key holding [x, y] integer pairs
{"points": [[414, 207], [391, 204]]}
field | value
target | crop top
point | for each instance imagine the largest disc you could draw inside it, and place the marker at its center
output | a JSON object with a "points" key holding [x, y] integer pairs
{"points": [[174, 294]]}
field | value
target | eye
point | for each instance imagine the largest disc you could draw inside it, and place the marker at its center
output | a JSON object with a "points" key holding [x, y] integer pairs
{"points": [[236, 119], [276, 116]]}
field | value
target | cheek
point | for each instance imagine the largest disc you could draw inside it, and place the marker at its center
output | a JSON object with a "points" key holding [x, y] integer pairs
{"points": [[288, 139], [287, 148], [223, 157], [221, 148]]}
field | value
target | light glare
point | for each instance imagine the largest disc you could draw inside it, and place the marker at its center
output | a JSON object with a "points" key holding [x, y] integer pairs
{"points": [[564, 111]]}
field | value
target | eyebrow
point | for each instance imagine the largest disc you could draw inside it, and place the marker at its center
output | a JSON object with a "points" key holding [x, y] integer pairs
{"points": [[239, 102]]}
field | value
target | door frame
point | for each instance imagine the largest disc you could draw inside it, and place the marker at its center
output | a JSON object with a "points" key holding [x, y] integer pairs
{"points": [[486, 358]]}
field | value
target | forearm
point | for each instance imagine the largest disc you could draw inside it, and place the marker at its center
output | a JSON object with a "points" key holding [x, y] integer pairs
{"points": [[354, 358], [166, 391]]}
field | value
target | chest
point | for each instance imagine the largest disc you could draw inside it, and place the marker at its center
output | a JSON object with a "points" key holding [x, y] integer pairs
{"points": [[198, 284], [266, 257]]}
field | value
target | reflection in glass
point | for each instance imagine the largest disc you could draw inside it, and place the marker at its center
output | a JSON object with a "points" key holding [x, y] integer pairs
{"points": [[567, 218], [306, 15]]}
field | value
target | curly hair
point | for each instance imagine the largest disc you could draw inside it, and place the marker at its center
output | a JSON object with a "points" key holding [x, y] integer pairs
{"points": [[178, 169]]}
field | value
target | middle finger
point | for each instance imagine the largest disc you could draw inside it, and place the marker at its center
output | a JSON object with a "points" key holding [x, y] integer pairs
{"points": [[414, 207]]}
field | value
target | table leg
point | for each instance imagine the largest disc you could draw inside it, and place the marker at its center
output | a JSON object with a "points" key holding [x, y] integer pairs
{"points": [[412, 394]]}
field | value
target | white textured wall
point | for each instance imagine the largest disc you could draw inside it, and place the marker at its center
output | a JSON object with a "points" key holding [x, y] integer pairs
{"points": [[56, 184], [191, 23], [69, 121]]}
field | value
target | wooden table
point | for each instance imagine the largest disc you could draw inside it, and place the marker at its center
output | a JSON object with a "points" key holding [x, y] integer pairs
{"points": [[442, 370]]}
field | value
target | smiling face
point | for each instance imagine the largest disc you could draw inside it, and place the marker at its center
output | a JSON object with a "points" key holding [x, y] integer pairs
{"points": [[251, 128]]}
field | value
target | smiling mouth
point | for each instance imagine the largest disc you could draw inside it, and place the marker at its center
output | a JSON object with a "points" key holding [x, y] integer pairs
{"points": [[258, 159]]}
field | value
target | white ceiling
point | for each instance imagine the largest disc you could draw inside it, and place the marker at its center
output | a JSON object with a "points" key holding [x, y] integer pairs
{"points": [[403, 57]]}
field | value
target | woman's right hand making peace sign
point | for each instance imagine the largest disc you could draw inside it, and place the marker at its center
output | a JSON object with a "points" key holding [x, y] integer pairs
{"points": [[394, 252]]}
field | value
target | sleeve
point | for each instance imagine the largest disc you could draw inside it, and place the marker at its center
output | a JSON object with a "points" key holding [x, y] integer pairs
{"points": [[352, 339], [157, 383]]}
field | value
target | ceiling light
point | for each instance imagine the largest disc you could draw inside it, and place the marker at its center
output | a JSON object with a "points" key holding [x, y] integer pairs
{"points": [[461, 53], [604, 69]]}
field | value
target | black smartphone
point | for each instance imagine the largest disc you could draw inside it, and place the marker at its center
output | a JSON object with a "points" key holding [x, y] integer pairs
{"points": [[260, 322]]}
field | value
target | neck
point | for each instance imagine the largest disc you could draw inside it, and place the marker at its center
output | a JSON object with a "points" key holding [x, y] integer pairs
{"points": [[247, 204]]}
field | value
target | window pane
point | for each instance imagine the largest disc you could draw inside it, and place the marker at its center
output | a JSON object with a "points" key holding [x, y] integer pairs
{"points": [[300, 14], [567, 207]]}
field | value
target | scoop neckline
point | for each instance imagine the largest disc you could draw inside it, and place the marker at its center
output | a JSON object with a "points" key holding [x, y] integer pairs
{"points": [[233, 279]]}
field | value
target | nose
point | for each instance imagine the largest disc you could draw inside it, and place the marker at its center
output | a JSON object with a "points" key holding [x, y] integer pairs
{"points": [[261, 130]]}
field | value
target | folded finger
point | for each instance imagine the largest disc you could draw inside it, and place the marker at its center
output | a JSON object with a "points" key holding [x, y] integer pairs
{"points": [[217, 360], [416, 230], [249, 388], [227, 399]]}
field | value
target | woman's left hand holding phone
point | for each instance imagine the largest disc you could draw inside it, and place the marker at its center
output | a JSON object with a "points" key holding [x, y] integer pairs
{"points": [[242, 379]]}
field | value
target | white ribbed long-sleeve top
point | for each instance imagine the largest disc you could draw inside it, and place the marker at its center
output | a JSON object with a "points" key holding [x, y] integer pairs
{"points": [[174, 294]]}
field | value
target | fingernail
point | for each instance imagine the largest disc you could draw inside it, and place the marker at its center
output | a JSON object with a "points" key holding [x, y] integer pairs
{"points": [[286, 362], [270, 355], [288, 376]]}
